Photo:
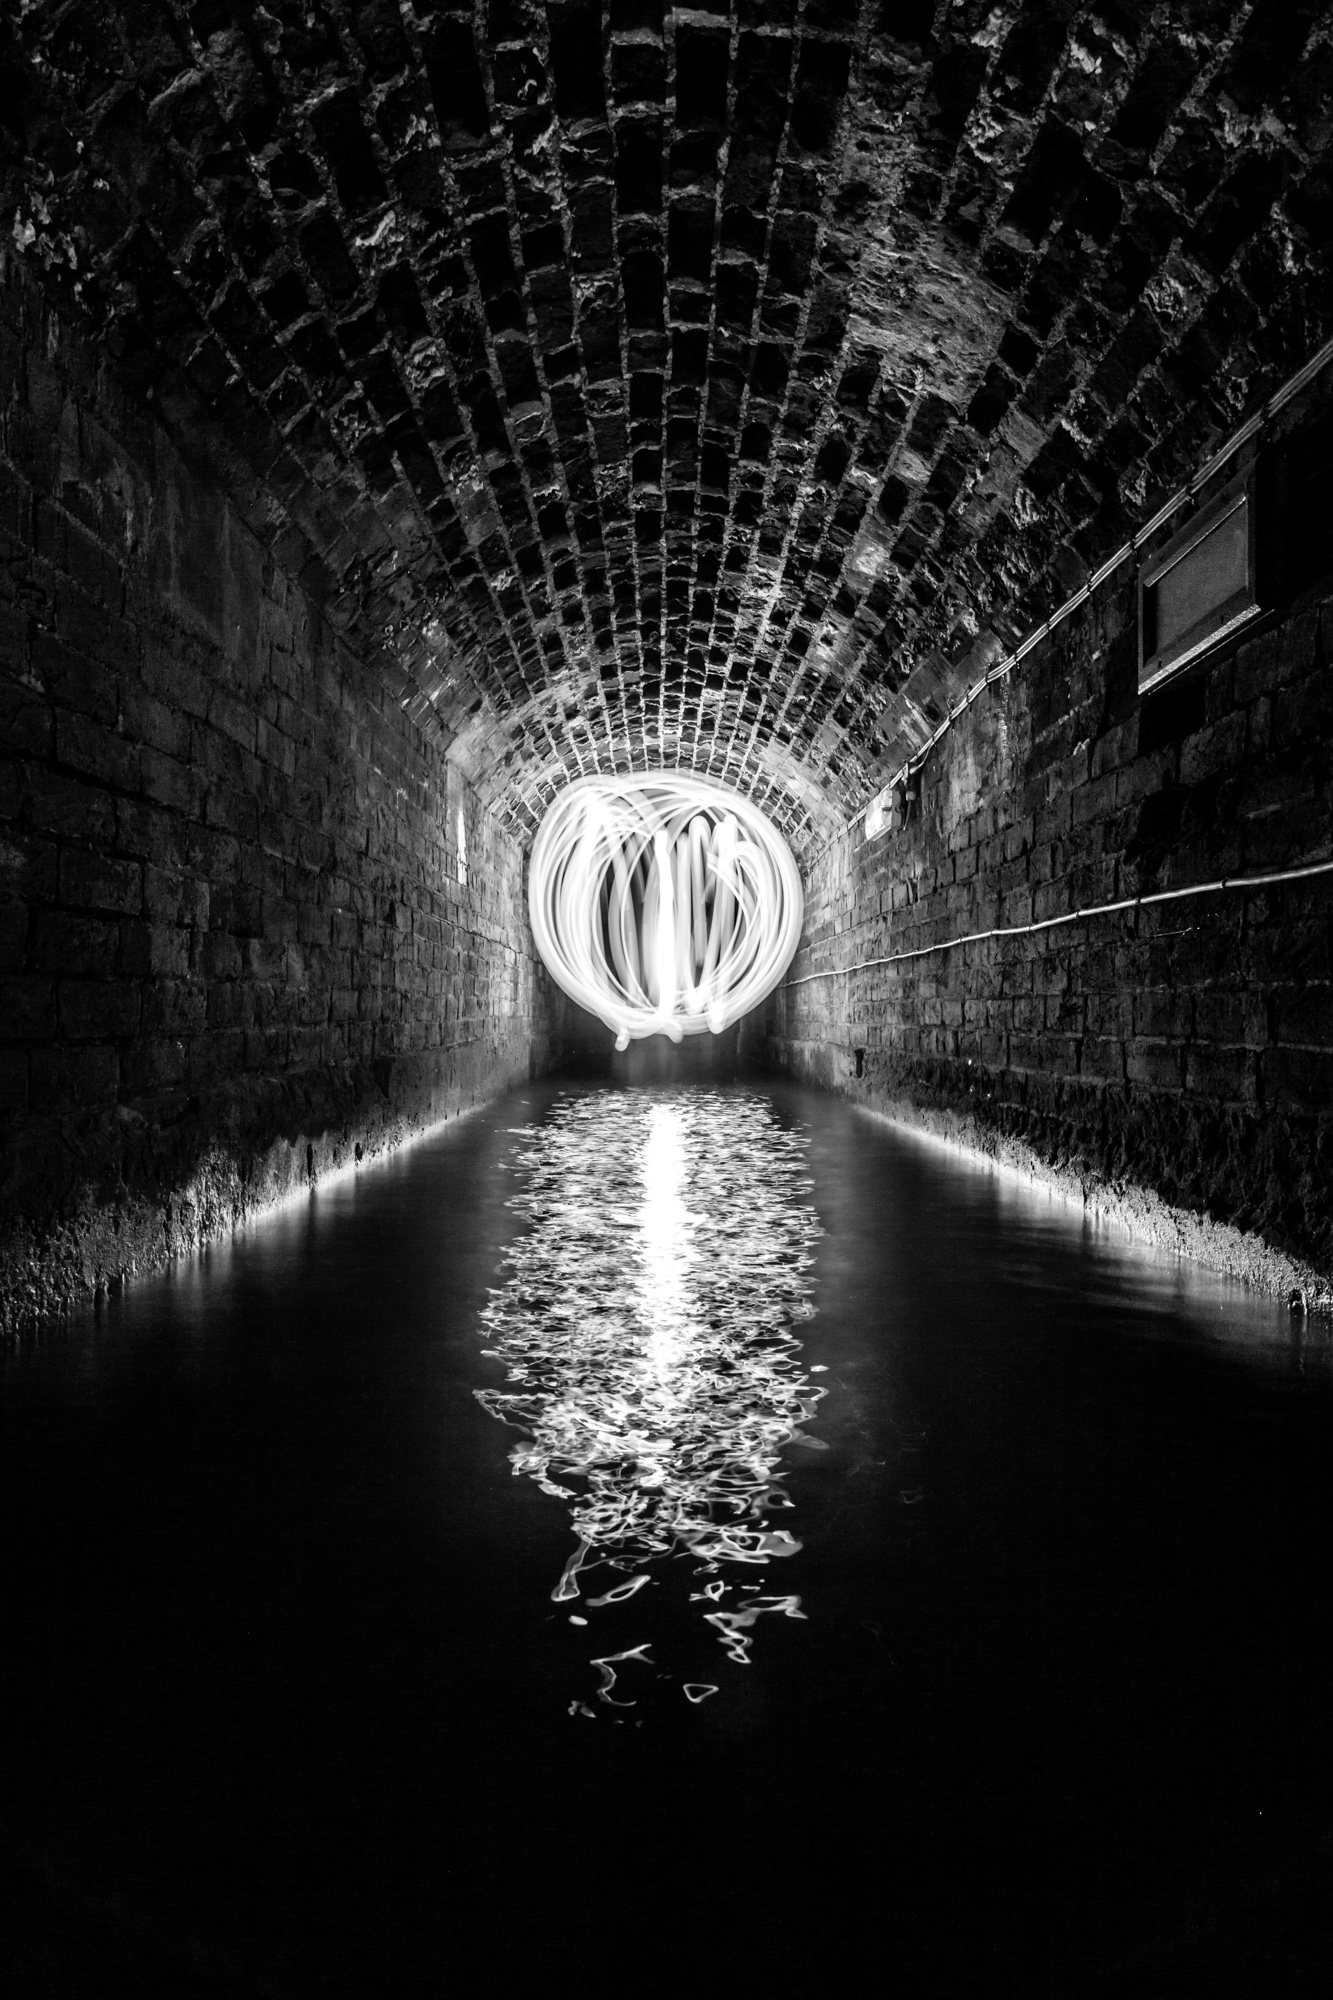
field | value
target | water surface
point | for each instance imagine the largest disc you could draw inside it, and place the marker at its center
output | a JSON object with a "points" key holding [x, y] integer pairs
{"points": [[959, 1570]]}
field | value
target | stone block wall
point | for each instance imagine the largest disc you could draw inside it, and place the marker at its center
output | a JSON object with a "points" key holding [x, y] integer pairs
{"points": [[253, 925], [1174, 1058]]}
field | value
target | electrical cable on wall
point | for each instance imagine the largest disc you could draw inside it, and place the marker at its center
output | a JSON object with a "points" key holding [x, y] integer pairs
{"points": [[1267, 880]]}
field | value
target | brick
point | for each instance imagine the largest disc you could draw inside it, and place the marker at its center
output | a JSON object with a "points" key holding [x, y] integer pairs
{"points": [[176, 682], [1115, 750], [173, 1007], [149, 950], [72, 944], [71, 807], [1275, 660], [1114, 1015], [233, 811], [1217, 748], [1299, 1080], [230, 1005], [1305, 1017], [27, 1008], [210, 1057], [174, 897], [213, 854], [172, 783], [265, 1048], [219, 956], [29, 866], [84, 745], [95, 1009], [1158, 1065], [1111, 1059], [233, 718], [149, 833], [1144, 776], [73, 1079], [154, 1064], [1222, 1075], [75, 679], [1162, 1012], [13, 936], [152, 723], [27, 723], [96, 882], [13, 1080], [237, 907], [265, 958]]}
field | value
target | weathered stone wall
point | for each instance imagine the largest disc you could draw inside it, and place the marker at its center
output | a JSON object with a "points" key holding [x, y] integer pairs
{"points": [[1174, 1061], [237, 947]]}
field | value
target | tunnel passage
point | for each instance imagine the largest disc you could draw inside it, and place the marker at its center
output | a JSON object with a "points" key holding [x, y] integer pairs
{"points": [[410, 411]]}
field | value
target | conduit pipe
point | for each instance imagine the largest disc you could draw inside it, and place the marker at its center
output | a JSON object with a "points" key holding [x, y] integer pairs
{"points": [[1300, 874]]}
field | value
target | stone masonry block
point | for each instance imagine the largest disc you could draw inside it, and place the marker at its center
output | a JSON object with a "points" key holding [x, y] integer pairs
{"points": [[174, 897], [1222, 1075], [1220, 747], [27, 723], [149, 833], [27, 1009], [62, 943], [65, 1079], [97, 753], [13, 936], [97, 882], [173, 1007], [96, 1009], [1159, 1065], [13, 1081], [1297, 1080], [71, 807], [75, 680], [173, 783], [1305, 1017]]}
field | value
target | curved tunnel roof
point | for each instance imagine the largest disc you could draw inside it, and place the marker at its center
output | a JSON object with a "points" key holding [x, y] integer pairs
{"points": [[722, 386]]}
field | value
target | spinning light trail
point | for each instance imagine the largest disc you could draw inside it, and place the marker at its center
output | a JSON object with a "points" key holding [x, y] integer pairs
{"points": [[664, 904]]}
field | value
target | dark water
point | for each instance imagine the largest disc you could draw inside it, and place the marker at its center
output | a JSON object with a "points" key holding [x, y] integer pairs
{"points": [[1039, 1704]]}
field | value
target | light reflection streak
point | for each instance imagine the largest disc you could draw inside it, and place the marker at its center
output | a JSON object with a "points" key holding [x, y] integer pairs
{"points": [[648, 1328]]}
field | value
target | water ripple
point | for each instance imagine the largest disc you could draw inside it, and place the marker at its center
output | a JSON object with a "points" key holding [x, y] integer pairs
{"points": [[648, 1332]]}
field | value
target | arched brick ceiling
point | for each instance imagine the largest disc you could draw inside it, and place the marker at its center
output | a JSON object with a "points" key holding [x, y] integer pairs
{"points": [[722, 385]]}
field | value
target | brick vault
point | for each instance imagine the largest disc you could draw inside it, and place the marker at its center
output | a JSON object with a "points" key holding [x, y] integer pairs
{"points": [[723, 386]]}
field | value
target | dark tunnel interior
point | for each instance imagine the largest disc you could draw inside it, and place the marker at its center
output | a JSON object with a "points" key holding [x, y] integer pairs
{"points": [[426, 423]]}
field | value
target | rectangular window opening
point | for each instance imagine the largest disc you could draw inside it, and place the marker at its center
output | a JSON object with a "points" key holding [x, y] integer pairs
{"points": [[1200, 588]]}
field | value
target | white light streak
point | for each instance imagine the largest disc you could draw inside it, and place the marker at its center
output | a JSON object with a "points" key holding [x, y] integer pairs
{"points": [[649, 1331], [664, 904]]}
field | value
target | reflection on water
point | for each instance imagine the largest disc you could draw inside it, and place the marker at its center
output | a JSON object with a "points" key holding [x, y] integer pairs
{"points": [[653, 1369]]}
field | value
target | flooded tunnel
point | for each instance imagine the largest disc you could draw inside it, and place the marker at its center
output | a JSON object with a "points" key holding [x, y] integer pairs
{"points": [[666, 996]]}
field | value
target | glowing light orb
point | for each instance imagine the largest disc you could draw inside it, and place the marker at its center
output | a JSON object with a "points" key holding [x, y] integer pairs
{"points": [[663, 903]]}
